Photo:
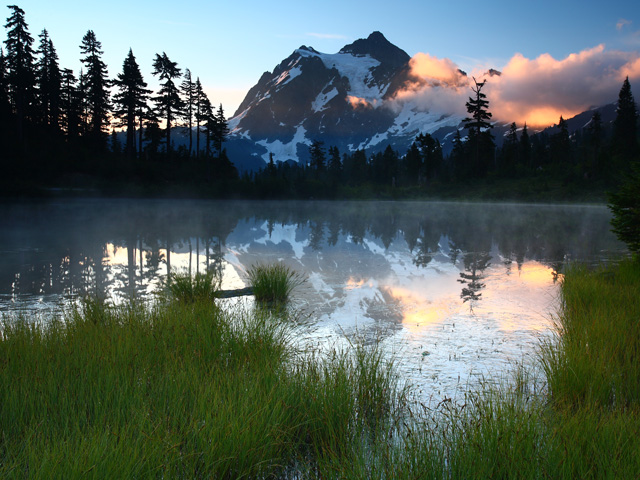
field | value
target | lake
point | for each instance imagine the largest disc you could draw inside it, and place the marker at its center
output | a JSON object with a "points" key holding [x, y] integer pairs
{"points": [[456, 292]]}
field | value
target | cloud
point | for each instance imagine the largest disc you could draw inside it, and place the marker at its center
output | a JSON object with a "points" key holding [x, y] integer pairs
{"points": [[539, 91], [536, 91], [622, 23]]}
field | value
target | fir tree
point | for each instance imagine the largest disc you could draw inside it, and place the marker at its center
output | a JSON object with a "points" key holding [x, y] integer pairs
{"points": [[131, 99], [70, 105], [49, 80], [169, 105], [20, 65], [200, 101], [481, 146], [317, 155], [188, 89], [525, 147], [221, 131], [97, 90], [625, 126], [335, 165]]}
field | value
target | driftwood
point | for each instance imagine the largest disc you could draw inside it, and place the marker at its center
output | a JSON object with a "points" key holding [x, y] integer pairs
{"points": [[239, 292]]}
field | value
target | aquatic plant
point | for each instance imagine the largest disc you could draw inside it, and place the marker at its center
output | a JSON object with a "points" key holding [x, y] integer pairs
{"points": [[186, 288], [273, 283]]}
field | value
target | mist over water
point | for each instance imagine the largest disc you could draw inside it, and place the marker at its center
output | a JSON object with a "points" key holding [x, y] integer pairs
{"points": [[454, 291]]}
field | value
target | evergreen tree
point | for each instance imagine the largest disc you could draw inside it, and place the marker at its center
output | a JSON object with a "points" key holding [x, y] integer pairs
{"points": [[188, 89], [335, 165], [97, 90], [130, 100], [169, 105], [70, 105], [560, 147], [412, 165], [509, 153], [201, 100], [625, 126], [317, 156], [221, 130], [525, 148], [625, 206], [20, 65], [5, 105], [49, 81], [481, 145]]}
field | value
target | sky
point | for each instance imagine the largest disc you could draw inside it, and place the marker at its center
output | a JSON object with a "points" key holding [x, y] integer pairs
{"points": [[557, 56]]}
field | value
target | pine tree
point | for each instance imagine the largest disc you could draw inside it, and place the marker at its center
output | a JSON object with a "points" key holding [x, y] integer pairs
{"points": [[97, 90], [221, 131], [625, 203], [131, 99], [20, 65], [317, 155], [335, 165], [200, 100], [49, 81], [188, 89], [481, 145], [525, 148], [625, 126], [70, 105], [560, 147], [169, 105]]}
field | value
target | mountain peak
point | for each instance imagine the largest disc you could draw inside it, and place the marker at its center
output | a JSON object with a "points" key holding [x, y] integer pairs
{"points": [[378, 47]]}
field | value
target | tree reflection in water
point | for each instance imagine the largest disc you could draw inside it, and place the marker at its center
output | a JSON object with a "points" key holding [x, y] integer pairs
{"points": [[67, 248]]}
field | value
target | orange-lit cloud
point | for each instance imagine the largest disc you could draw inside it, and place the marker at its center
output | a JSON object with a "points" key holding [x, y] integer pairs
{"points": [[535, 91], [435, 71], [357, 102]]}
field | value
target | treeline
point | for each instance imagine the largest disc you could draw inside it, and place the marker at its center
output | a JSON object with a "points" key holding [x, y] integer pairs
{"points": [[59, 128], [592, 159]]}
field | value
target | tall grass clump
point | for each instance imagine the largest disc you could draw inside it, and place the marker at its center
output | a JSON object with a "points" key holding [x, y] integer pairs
{"points": [[273, 283], [186, 288]]}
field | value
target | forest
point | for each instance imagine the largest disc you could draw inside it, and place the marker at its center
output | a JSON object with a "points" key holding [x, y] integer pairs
{"points": [[83, 133]]}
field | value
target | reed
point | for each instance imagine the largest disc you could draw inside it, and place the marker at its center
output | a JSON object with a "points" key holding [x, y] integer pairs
{"points": [[186, 288], [273, 283]]}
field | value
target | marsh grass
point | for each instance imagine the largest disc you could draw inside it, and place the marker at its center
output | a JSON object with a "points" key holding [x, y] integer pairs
{"points": [[273, 283], [200, 287], [186, 390], [176, 390]]}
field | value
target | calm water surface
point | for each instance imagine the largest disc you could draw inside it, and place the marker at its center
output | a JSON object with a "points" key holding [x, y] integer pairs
{"points": [[456, 292]]}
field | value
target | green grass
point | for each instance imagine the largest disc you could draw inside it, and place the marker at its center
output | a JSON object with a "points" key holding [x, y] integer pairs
{"points": [[177, 390], [182, 389], [273, 283], [183, 287]]}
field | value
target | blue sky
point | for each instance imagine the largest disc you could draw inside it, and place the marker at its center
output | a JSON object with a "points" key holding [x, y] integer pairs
{"points": [[230, 44]]}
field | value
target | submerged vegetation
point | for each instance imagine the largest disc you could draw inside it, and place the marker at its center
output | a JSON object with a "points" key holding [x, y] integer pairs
{"points": [[188, 390]]}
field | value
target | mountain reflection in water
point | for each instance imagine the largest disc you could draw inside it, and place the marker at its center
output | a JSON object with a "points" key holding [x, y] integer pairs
{"points": [[452, 289]]}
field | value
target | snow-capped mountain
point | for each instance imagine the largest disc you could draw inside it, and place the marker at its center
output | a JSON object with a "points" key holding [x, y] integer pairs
{"points": [[346, 99]]}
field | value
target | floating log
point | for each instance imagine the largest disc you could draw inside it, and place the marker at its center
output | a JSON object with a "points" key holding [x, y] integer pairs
{"points": [[239, 292]]}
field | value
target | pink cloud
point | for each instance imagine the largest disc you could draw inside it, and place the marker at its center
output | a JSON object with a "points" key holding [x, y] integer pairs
{"points": [[535, 91]]}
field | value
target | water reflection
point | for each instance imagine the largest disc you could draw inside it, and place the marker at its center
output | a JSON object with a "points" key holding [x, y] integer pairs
{"points": [[453, 288]]}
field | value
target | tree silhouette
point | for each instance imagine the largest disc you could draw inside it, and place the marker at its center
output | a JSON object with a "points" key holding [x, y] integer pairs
{"points": [[480, 138], [49, 81], [168, 102], [131, 99], [20, 65], [97, 90], [625, 126], [188, 89], [221, 130]]}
